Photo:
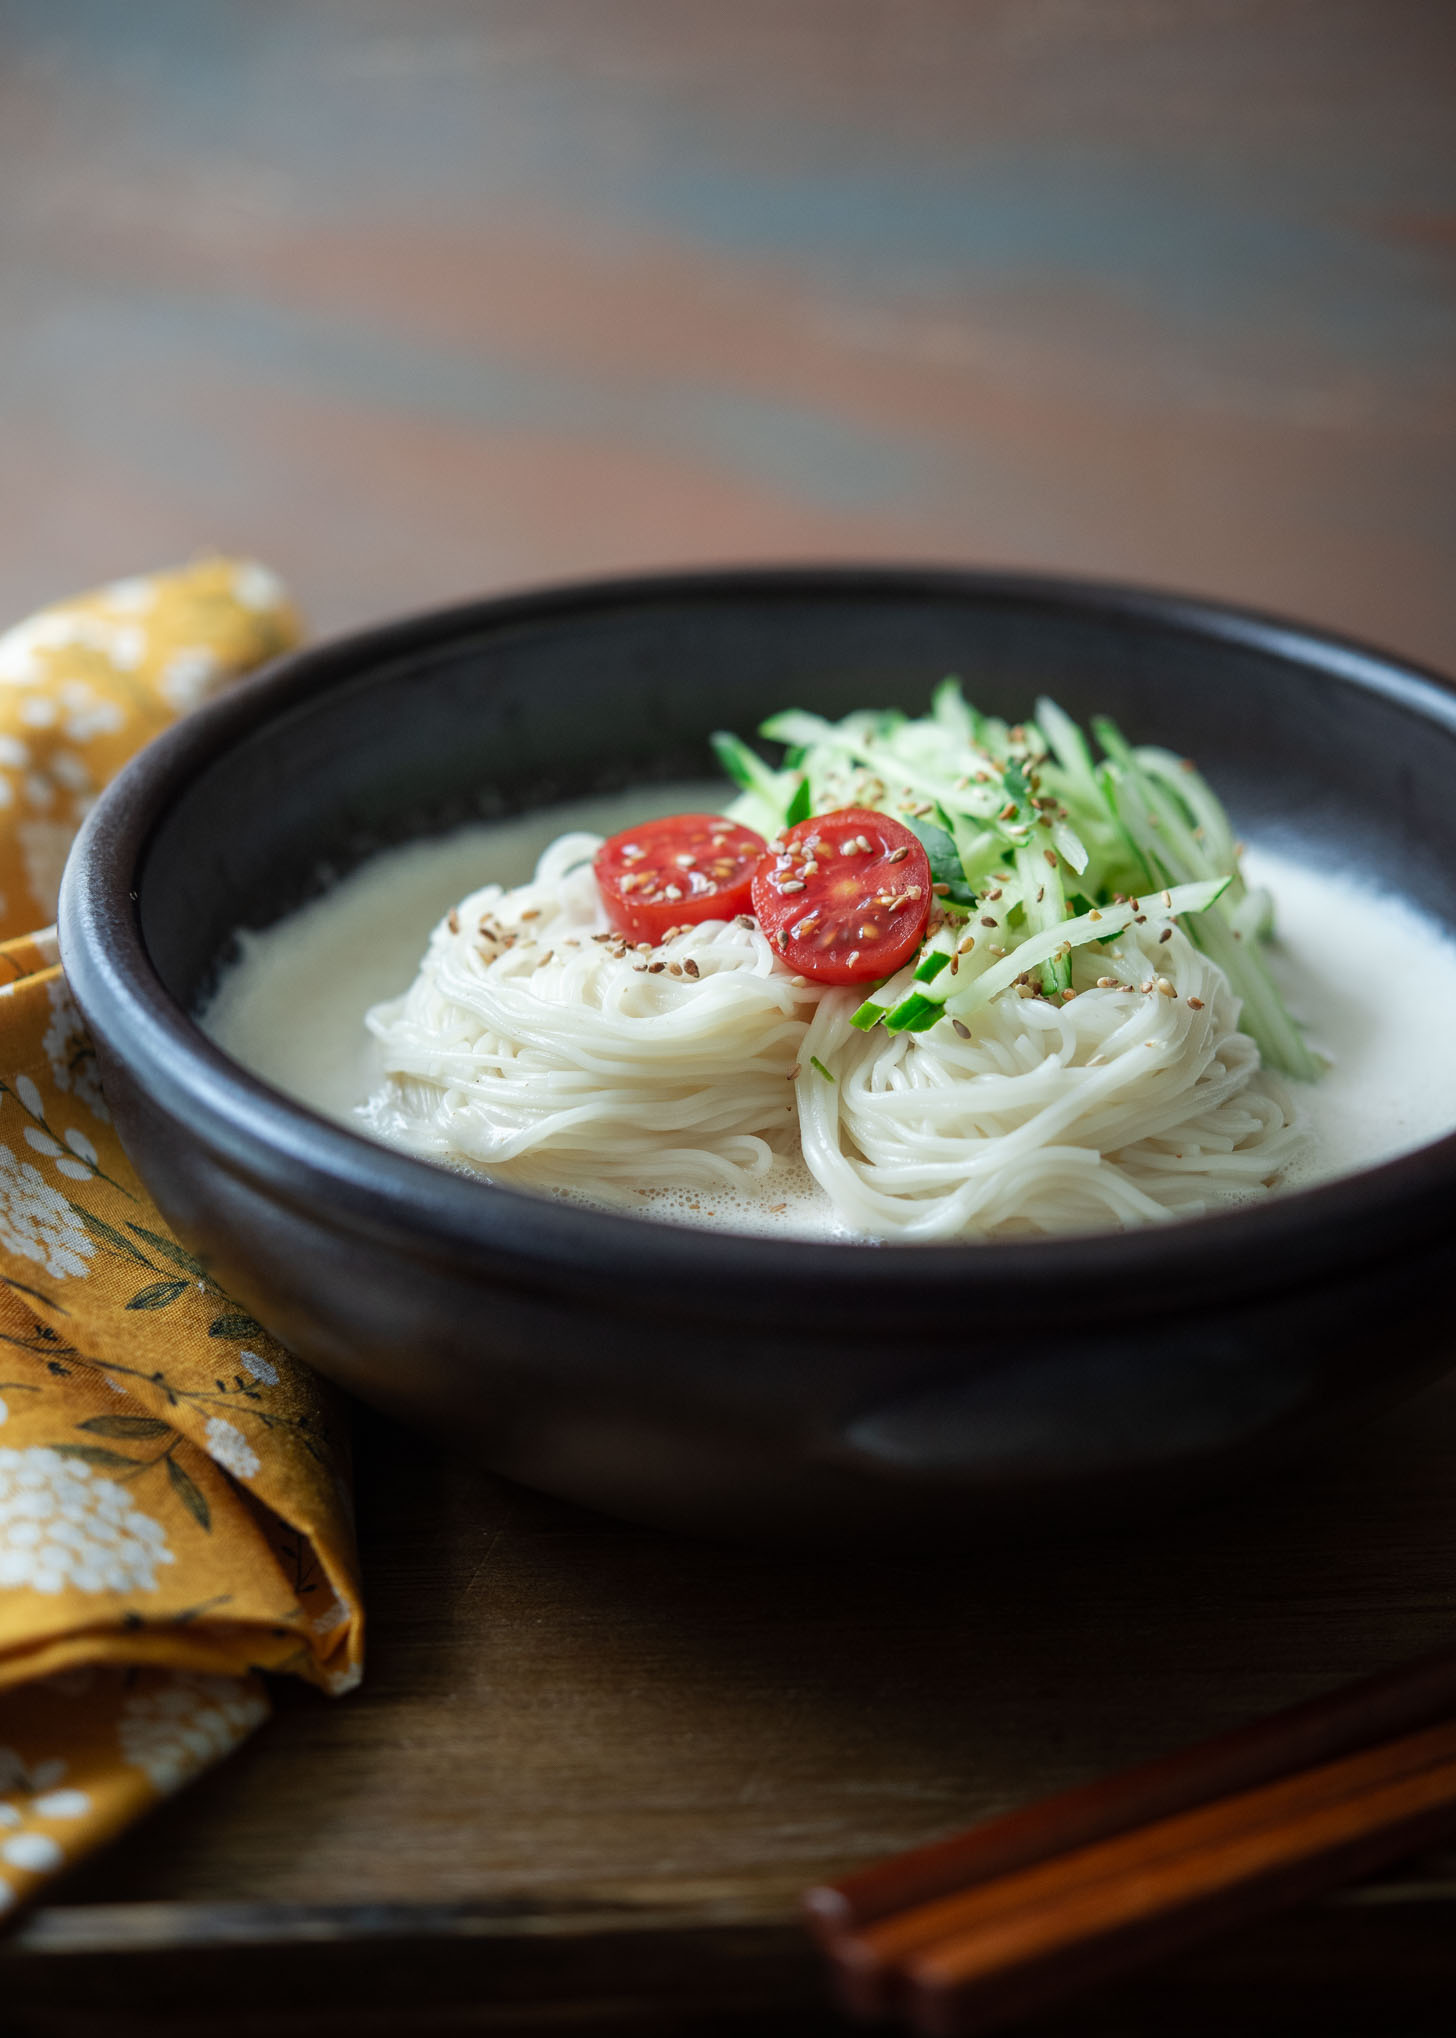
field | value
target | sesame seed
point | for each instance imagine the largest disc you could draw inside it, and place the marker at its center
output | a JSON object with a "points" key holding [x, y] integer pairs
{"points": [[1165, 989], [656, 968], [869, 931], [1108, 984], [987, 921], [671, 892], [967, 945], [799, 983], [898, 855], [941, 891], [994, 950], [1051, 857], [1196, 1003], [744, 920], [1008, 812], [691, 967], [961, 1028], [1094, 914], [1067, 997], [1147, 987], [791, 884], [531, 913], [453, 923], [1166, 935]]}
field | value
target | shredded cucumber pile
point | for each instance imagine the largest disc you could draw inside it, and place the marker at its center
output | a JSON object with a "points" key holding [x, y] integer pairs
{"points": [[1036, 847]]}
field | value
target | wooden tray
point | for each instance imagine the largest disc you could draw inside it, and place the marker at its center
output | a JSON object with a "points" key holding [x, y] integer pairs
{"points": [[591, 1767]]}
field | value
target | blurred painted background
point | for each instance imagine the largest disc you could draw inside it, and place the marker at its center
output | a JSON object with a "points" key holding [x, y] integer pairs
{"points": [[416, 298]]}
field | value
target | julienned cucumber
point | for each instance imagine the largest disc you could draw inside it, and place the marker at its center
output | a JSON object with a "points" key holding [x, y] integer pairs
{"points": [[1022, 823]]}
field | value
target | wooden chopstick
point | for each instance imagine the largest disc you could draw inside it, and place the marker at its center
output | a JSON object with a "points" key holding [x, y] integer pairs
{"points": [[1030, 1947], [1305, 1736], [900, 1931]]}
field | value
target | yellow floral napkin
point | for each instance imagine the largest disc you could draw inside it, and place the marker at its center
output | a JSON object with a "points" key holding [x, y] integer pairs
{"points": [[174, 1487]]}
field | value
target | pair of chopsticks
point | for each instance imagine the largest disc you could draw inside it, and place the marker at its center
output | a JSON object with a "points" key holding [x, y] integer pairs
{"points": [[995, 1923]]}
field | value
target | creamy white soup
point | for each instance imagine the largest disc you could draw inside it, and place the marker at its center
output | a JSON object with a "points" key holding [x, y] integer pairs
{"points": [[291, 1008]]}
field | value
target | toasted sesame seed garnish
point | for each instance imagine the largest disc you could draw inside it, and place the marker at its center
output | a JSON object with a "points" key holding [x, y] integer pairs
{"points": [[1051, 857], [961, 1028], [799, 983], [691, 967], [849, 848], [1094, 914], [1040, 893], [1166, 935], [674, 969], [453, 923], [941, 891], [898, 855], [791, 884], [671, 892], [967, 945], [1165, 989], [1147, 987], [1067, 997], [1196, 1003], [531, 913], [656, 968], [913, 892], [776, 1209], [994, 895], [864, 845], [1008, 812], [1109, 984], [987, 921], [992, 949]]}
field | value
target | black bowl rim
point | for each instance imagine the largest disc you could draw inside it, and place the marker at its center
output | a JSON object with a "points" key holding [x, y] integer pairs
{"points": [[435, 1215]]}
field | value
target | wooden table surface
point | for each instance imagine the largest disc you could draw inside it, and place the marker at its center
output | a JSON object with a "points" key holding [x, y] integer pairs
{"points": [[418, 298], [591, 1767]]}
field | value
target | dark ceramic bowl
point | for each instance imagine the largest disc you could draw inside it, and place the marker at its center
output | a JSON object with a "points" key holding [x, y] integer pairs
{"points": [[737, 1385]]}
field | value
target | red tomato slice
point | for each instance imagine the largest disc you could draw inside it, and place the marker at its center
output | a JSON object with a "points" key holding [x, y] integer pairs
{"points": [[846, 896], [676, 872]]}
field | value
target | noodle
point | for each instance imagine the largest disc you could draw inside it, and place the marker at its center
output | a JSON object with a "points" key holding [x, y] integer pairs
{"points": [[537, 1046]]}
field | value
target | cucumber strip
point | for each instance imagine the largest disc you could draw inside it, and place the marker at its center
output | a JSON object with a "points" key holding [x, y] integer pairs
{"points": [[1192, 898], [1045, 905]]}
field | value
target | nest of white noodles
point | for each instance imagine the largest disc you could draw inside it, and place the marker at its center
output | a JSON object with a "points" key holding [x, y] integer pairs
{"points": [[538, 1047]]}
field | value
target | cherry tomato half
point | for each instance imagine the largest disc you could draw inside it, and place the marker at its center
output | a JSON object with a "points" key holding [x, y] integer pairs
{"points": [[846, 898], [676, 872]]}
